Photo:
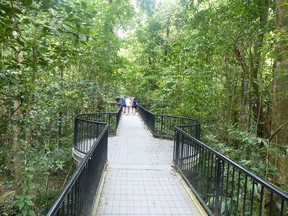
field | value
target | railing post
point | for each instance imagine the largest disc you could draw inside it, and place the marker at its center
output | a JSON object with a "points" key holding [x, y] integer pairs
{"points": [[109, 124], [181, 148], [161, 126], [176, 147], [153, 123], [217, 207], [198, 131], [97, 130], [118, 116], [75, 131]]}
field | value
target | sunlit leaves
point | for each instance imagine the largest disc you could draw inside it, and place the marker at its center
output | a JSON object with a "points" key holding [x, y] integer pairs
{"points": [[212, 60], [58, 58]]}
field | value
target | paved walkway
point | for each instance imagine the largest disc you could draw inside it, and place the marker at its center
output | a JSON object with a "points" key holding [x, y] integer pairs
{"points": [[139, 178]]}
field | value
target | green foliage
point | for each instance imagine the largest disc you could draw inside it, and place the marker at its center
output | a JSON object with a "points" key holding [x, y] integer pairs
{"points": [[58, 59], [42, 178], [247, 150], [211, 60], [24, 201]]}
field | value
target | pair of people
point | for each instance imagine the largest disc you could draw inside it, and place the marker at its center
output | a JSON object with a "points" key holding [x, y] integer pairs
{"points": [[128, 104]]}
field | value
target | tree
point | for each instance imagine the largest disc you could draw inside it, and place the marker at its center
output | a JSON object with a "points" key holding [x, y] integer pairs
{"points": [[280, 88], [58, 59], [213, 61]]}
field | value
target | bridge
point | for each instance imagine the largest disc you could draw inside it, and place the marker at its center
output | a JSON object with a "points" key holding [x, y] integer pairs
{"points": [[156, 165]]}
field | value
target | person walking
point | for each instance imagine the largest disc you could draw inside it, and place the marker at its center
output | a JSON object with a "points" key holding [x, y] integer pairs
{"points": [[134, 105], [123, 104], [128, 105]]}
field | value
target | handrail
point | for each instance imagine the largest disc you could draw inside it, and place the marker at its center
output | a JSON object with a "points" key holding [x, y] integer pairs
{"points": [[162, 126], [91, 133], [112, 118], [78, 195], [148, 117], [82, 141], [222, 186]]}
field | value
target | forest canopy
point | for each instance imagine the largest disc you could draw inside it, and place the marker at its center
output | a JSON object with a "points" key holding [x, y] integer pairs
{"points": [[223, 62]]}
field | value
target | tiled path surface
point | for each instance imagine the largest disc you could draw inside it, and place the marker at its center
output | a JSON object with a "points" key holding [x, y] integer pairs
{"points": [[140, 179]]}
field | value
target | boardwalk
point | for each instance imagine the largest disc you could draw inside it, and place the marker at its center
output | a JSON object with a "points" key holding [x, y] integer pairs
{"points": [[139, 178]]}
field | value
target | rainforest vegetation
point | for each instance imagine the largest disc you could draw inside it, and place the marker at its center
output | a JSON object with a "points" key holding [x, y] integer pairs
{"points": [[223, 62]]}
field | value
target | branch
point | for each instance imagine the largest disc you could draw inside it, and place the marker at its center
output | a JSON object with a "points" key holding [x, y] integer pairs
{"points": [[17, 108], [277, 131], [14, 112], [240, 58]]}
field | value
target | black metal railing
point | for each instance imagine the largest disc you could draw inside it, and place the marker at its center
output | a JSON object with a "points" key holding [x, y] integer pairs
{"points": [[84, 141], [78, 196], [148, 117], [163, 126], [222, 186]]}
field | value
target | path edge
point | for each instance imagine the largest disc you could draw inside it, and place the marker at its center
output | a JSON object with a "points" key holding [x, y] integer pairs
{"points": [[99, 191], [191, 195]]}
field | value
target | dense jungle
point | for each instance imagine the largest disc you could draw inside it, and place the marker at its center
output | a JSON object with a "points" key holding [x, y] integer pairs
{"points": [[223, 62]]}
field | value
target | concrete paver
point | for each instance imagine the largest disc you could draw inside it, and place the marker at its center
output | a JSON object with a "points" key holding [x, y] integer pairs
{"points": [[140, 179]]}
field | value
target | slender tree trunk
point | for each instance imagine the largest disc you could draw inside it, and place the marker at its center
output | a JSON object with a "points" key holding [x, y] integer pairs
{"points": [[28, 133], [149, 61], [244, 121], [166, 45], [255, 69], [15, 127], [15, 141], [60, 114], [252, 102], [280, 90], [1, 61], [256, 104]]}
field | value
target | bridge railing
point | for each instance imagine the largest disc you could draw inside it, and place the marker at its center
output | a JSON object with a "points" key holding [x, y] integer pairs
{"points": [[78, 195], [83, 140], [222, 186], [163, 126], [90, 137]]}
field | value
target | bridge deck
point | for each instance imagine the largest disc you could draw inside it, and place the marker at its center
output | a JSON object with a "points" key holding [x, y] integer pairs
{"points": [[139, 178]]}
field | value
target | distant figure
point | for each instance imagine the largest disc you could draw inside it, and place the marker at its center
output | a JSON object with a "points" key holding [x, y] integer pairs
{"points": [[128, 105], [123, 104], [134, 105]]}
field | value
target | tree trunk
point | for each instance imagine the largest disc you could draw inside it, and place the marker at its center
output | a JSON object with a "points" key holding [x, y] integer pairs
{"points": [[255, 96], [15, 142], [60, 114], [15, 127], [166, 44], [244, 121], [280, 90]]}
